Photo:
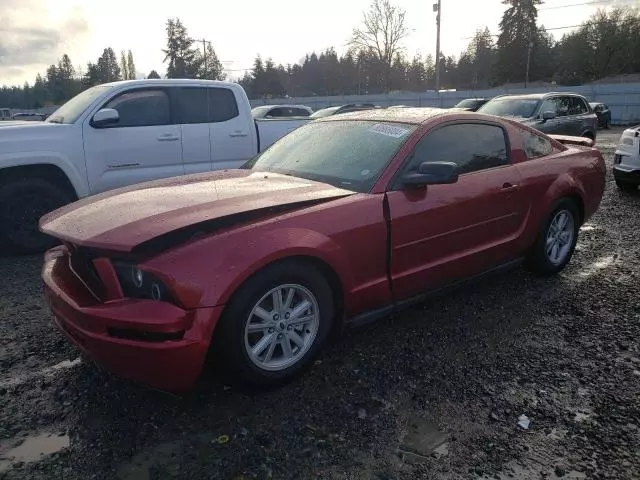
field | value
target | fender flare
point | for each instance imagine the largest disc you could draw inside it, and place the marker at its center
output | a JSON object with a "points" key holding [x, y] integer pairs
{"points": [[52, 159]]}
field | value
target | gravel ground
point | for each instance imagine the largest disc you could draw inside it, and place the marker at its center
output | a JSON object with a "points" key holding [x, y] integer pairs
{"points": [[434, 394]]}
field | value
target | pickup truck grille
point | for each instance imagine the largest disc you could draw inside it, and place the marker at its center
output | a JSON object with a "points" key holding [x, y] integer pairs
{"points": [[81, 264]]}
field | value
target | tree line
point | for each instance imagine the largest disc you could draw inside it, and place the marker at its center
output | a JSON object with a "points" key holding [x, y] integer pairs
{"points": [[606, 44]]}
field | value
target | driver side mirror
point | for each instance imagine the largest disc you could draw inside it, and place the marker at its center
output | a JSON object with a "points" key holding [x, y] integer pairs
{"points": [[548, 115], [105, 117], [432, 173]]}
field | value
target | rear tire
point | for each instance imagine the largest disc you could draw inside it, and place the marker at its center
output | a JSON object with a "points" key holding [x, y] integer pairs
{"points": [[626, 186], [557, 239], [22, 203], [251, 348]]}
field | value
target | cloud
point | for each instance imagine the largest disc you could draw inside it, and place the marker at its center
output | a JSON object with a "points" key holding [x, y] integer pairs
{"points": [[31, 39]]}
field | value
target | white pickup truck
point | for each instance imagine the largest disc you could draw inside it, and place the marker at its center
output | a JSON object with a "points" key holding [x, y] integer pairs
{"points": [[118, 134]]}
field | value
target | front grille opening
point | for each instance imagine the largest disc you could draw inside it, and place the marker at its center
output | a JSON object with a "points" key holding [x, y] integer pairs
{"points": [[142, 336]]}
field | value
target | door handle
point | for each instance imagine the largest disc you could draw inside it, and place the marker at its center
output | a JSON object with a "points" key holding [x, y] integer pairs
{"points": [[167, 137], [238, 134], [509, 186]]}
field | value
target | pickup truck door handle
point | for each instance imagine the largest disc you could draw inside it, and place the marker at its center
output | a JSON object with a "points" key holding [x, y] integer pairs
{"points": [[168, 137], [238, 134], [509, 186]]}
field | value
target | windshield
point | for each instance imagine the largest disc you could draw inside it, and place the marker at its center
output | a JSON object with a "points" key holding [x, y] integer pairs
{"points": [[346, 154], [511, 107], [325, 112], [468, 103], [70, 111]]}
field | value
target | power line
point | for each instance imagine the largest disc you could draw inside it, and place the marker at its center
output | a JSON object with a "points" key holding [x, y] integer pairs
{"points": [[585, 24], [596, 2]]}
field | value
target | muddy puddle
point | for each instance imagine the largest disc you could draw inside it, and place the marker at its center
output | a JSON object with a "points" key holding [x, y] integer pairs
{"points": [[423, 439], [30, 449]]}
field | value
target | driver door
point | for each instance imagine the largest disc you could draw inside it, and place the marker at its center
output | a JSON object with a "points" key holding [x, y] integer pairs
{"points": [[444, 233], [144, 144]]}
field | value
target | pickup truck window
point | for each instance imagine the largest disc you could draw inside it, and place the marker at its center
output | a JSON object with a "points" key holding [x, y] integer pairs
{"points": [[142, 108], [222, 104], [206, 105], [347, 154], [71, 111], [193, 105], [484, 147]]}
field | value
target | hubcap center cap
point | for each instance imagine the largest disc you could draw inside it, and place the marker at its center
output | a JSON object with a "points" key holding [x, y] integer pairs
{"points": [[282, 326]]}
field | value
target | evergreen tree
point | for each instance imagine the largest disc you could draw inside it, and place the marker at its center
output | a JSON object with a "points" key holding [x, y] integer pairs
{"points": [[131, 67], [183, 60], [517, 29]]}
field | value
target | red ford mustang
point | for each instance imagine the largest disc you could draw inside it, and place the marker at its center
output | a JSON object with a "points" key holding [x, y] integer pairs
{"points": [[343, 220]]}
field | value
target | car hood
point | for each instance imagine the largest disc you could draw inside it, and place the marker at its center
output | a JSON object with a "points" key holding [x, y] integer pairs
{"points": [[126, 218]]}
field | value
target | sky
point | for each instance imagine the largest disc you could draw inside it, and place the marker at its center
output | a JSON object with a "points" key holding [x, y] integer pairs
{"points": [[35, 33]]}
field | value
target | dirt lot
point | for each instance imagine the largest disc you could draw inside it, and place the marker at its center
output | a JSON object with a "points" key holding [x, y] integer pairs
{"points": [[434, 394]]}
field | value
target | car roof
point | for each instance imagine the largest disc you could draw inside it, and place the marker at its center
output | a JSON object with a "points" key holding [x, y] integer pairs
{"points": [[411, 115], [538, 96]]}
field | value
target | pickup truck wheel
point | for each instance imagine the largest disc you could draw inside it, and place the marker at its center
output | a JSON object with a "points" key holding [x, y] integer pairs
{"points": [[274, 325], [557, 240], [22, 203], [626, 186]]}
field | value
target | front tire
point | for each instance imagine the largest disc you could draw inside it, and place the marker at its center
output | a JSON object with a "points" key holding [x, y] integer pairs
{"points": [[274, 326], [22, 203], [557, 240]]}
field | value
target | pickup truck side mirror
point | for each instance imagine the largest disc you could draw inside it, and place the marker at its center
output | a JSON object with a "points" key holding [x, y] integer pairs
{"points": [[548, 115], [432, 173], [105, 117]]}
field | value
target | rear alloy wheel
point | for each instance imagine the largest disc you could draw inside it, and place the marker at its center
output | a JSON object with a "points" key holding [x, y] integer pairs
{"points": [[626, 186], [274, 325], [557, 240]]}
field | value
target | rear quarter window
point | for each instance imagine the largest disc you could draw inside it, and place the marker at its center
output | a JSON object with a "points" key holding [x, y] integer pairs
{"points": [[535, 146]]}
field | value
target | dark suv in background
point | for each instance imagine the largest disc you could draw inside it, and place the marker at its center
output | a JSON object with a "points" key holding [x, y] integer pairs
{"points": [[551, 113]]}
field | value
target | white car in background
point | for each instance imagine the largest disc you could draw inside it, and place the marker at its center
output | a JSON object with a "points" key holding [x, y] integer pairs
{"points": [[280, 111], [626, 161]]}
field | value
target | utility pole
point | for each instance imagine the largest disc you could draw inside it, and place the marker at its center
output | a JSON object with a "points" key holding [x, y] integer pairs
{"points": [[437, 9], [529, 45], [204, 51]]}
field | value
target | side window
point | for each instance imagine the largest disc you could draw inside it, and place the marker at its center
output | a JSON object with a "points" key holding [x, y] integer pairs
{"points": [[472, 146], [193, 105], [534, 145], [563, 106], [577, 106], [275, 113], [549, 105], [222, 105], [300, 112], [142, 108]]}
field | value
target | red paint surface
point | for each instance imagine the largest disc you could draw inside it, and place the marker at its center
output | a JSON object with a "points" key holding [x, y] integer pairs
{"points": [[439, 234]]}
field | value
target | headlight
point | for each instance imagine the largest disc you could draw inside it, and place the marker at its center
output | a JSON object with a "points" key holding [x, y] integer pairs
{"points": [[137, 283]]}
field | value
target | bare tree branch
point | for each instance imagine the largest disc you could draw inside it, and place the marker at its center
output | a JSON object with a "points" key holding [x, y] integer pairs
{"points": [[381, 34]]}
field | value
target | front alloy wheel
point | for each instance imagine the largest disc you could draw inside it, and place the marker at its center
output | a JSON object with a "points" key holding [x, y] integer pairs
{"points": [[274, 325], [281, 327]]}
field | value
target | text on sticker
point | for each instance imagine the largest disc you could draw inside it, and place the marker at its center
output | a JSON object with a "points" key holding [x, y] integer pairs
{"points": [[389, 130]]}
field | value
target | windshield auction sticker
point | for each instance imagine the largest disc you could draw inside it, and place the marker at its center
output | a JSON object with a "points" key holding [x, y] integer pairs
{"points": [[389, 130]]}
